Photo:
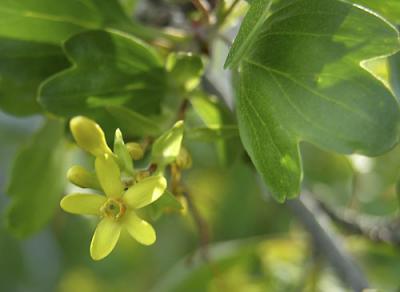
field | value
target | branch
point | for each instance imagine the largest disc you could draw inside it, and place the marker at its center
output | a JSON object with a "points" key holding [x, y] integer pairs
{"points": [[376, 229], [201, 224], [227, 12], [327, 242], [204, 8]]}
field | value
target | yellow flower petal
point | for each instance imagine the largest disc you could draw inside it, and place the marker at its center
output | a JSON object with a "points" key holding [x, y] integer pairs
{"points": [[89, 136], [145, 192], [139, 229], [105, 238], [85, 204], [109, 176]]}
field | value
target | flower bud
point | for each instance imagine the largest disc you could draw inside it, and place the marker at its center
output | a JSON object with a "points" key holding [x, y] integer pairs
{"points": [[184, 159], [123, 155], [89, 136], [135, 150], [81, 177]]}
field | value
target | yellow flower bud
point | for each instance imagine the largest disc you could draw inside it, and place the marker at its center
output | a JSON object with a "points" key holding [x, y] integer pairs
{"points": [[81, 177], [89, 136], [184, 159], [135, 150]]}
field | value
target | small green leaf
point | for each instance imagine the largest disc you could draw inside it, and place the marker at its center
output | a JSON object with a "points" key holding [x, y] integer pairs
{"points": [[133, 123], [124, 158], [23, 66], [110, 69], [302, 80], [166, 203], [166, 148], [247, 35], [37, 180], [185, 70]]}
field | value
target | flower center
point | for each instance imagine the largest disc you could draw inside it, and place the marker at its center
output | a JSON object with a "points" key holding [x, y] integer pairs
{"points": [[113, 208]]}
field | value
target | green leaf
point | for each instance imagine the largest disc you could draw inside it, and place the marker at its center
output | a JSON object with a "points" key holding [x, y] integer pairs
{"points": [[247, 35], [198, 276], [23, 66], [31, 32], [390, 9], [37, 180], [49, 21], [166, 148], [109, 69], [185, 70], [165, 204], [220, 123], [302, 80], [133, 123]]}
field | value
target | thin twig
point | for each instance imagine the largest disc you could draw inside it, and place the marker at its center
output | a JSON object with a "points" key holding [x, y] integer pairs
{"points": [[204, 8], [182, 110], [201, 224], [376, 229], [227, 12], [318, 224]]}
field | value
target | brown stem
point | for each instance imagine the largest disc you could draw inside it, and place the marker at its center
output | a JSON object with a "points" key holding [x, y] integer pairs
{"points": [[227, 12], [182, 110], [201, 225], [204, 8]]}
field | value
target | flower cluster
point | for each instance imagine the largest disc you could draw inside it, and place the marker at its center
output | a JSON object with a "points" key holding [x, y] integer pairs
{"points": [[125, 189]]}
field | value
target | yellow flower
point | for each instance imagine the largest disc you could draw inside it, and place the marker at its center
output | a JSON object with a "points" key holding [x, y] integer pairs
{"points": [[117, 208]]}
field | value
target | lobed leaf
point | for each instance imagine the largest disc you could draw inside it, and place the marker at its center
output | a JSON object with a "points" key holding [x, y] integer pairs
{"points": [[23, 66], [109, 69], [303, 80]]}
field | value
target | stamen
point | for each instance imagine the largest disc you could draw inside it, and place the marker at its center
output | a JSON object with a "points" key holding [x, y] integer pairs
{"points": [[113, 208]]}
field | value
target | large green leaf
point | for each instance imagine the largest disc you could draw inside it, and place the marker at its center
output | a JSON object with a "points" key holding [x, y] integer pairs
{"points": [[302, 80], [387, 68], [37, 180], [249, 29], [389, 9], [134, 123], [109, 69], [54, 21], [23, 66]]}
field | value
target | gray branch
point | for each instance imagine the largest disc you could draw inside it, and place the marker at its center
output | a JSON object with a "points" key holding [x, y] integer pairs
{"points": [[374, 228], [318, 224]]}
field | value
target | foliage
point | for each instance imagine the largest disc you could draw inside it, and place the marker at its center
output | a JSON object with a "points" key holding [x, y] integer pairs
{"points": [[312, 105]]}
